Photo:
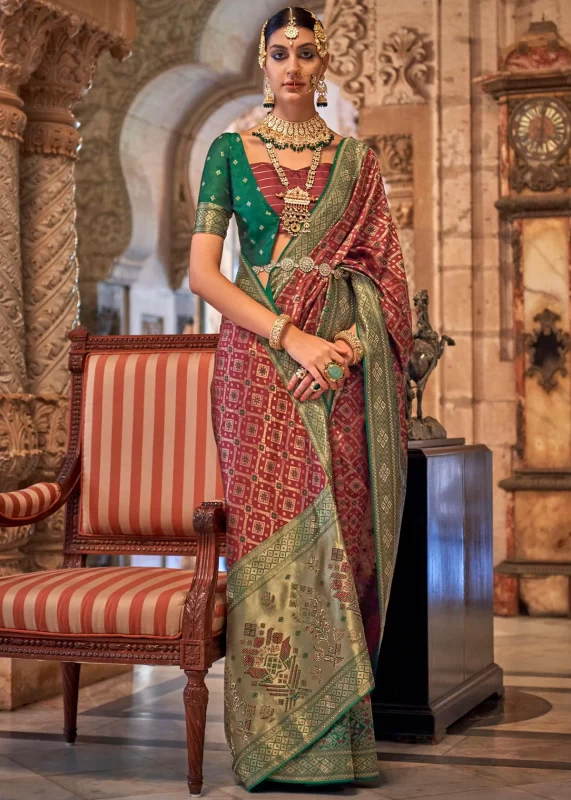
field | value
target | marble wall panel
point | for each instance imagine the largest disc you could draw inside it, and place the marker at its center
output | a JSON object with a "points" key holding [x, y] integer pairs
{"points": [[502, 461], [545, 597], [546, 285], [543, 526]]}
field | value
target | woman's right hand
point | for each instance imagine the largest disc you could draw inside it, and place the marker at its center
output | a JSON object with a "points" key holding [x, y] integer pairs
{"points": [[313, 353]]}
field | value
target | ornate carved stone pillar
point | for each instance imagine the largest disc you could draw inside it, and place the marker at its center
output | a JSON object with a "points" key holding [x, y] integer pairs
{"points": [[24, 29], [41, 300], [49, 248]]}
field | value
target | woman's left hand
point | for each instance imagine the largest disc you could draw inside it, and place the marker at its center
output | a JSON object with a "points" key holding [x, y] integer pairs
{"points": [[304, 390]]}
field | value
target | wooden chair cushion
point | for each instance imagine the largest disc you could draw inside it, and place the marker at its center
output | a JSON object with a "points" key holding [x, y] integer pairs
{"points": [[149, 455], [126, 601], [27, 502]]}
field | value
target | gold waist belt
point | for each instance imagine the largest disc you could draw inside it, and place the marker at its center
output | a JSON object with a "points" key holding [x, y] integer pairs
{"points": [[305, 264]]}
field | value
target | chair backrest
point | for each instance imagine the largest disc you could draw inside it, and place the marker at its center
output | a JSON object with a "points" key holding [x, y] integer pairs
{"points": [[148, 453]]}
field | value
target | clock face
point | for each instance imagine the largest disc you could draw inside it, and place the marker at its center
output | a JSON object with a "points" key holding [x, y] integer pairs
{"points": [[540, 129]]}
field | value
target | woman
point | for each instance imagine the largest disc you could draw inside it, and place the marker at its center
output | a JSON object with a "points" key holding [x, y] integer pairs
{"points": [[308, 411]]}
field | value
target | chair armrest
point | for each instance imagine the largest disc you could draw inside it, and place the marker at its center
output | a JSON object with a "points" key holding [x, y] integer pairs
{"points": [[210, 525], [31, 505]]}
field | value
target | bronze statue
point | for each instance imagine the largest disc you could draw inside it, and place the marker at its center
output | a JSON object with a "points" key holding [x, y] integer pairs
{"points": [[428, 349]]}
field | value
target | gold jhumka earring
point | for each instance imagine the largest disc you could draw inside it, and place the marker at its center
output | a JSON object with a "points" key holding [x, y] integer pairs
{"points": [[321, 88], [269, 95]]}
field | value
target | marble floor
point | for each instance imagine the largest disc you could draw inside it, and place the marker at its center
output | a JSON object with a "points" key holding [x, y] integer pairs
{"points": [[132, 740]]}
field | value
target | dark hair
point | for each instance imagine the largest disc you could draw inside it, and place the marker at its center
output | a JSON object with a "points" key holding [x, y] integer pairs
{"points": [[302, 17]]}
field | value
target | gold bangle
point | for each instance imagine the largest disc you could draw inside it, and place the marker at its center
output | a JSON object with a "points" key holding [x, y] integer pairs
{"points": [[277, 331], [354, 342]]}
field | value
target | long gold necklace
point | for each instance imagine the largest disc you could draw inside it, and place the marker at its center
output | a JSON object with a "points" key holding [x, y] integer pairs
{"points": [[282, 133], [295, 217]]}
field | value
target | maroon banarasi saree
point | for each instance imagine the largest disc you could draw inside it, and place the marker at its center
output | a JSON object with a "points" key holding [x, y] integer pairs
{"points": [[314, 491]]}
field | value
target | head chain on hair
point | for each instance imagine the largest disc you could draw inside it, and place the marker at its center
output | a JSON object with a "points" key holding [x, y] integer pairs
{"points": [[320, 40]]}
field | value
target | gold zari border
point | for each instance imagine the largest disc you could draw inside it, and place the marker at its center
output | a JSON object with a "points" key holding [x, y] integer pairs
{"points": [[211, 218]]}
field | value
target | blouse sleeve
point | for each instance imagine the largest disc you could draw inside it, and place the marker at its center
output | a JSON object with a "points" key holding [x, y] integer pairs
{"points": [[215, 199]]}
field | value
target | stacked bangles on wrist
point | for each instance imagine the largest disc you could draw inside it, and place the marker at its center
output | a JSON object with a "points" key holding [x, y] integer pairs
{"points": [[333, 370]]}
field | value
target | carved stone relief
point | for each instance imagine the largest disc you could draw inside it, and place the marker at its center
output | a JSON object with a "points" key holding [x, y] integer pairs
{"points": [[24, 29], [19, 455], [349, 25], [12, 363], [406, 67]]}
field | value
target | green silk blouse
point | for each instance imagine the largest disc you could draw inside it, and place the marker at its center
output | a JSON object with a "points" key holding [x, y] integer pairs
{"points": [[229, 187]]}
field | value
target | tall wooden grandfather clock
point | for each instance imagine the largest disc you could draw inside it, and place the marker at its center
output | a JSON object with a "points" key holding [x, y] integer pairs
{"points": [[533, 89]]}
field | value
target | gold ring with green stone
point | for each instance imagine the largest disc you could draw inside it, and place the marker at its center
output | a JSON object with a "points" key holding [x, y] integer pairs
{"points": [[316, 386], [333, 371]]}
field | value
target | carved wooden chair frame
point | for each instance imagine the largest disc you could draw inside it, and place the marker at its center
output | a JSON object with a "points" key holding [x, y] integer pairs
{"points": [[197, 649]]}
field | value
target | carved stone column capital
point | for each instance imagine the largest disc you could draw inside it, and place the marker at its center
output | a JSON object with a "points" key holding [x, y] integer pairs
{"points": [[19, 451], [62, 78], [350, 28], [24, 30]]}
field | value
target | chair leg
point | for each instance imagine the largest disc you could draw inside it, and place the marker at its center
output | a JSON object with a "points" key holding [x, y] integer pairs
{"points": [[195, 702], [70, 677]]}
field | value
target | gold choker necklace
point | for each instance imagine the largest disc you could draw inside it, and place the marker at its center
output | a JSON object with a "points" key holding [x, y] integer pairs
{"points": [[310, 135]]}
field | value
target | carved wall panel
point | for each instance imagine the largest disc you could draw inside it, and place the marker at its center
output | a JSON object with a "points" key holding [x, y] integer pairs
{"points": [[405, 67], [350, 25], [12, 361]]}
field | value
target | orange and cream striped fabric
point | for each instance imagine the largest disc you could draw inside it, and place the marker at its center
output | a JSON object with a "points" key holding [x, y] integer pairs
{"points": [[123, 601], [149, 453], [29, 501]]}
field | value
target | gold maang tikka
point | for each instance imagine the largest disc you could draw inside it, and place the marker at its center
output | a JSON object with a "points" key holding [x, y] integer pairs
{"points": [[318, 30], [291, 31]]}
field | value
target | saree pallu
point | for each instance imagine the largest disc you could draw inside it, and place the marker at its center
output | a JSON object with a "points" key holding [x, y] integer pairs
{"points": [[314, 493]]}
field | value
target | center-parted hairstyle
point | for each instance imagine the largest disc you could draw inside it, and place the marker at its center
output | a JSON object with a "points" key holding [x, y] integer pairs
{"points": [[291, 18]]}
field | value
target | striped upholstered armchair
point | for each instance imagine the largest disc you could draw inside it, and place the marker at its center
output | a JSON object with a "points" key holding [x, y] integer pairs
{"points": [[141, 475]]}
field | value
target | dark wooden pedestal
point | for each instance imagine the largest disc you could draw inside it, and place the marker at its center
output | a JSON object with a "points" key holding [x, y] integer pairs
{"points": [[437, 655]]}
